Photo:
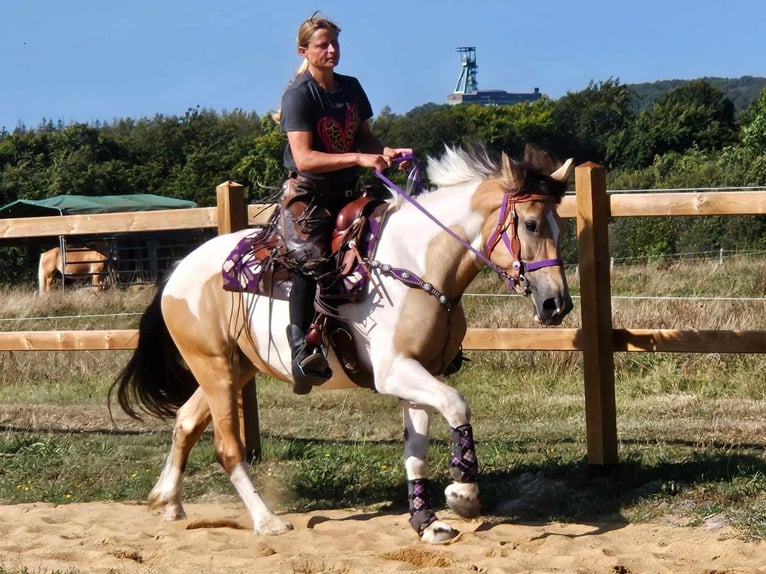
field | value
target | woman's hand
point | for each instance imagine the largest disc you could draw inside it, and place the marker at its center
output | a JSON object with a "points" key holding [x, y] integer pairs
{"points": [[374, 161], [393, 153], [384, 160]]}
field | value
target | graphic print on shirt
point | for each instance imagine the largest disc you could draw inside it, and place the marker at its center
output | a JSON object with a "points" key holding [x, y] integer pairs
{"points": [[337, 138]]}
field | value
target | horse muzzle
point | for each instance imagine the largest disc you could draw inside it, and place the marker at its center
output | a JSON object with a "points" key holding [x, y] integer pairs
{"points": [[551, 311]]}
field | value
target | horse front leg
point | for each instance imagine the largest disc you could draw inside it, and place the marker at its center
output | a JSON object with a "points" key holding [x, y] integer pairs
{"points": [[462, 495], [408, 380], [422, 516]]}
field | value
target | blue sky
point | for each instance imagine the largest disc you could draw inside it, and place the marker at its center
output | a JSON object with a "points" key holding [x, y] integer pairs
{"points": [[100, 60]]}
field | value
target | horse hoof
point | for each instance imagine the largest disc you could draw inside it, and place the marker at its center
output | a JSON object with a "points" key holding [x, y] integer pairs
{"points": [[170, 511], [439, 532], [463, 498], [272, 527], [173, 514]]}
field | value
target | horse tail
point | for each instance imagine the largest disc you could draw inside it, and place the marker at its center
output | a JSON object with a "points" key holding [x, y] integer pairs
{"points": [[156, 379]]}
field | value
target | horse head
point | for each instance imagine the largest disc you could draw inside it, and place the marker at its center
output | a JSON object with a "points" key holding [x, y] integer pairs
{"points": [[522, 235]]}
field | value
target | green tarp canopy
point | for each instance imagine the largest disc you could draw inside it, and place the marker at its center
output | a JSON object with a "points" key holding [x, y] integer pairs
{"points": [[84, 204]]}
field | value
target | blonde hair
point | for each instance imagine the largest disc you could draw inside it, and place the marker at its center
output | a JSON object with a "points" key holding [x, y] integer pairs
{"points": [[317, 21]]}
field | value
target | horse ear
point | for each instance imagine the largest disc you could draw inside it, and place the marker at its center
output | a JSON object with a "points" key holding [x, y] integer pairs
{"points": [[562, 173], [539, 159], [511, 171], [531, 154]]}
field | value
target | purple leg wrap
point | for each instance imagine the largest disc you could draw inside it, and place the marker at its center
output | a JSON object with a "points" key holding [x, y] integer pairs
{"points": [[421, 513], [463, 465]]}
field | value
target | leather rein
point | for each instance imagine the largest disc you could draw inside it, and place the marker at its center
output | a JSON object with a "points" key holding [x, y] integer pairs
{"points": [[508, 221]]}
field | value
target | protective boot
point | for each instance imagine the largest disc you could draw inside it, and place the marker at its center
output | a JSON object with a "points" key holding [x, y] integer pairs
{"points": [[309, 365]]}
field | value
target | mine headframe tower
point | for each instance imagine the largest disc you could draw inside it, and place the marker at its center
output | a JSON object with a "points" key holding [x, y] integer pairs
{"points": [[466, 83]]}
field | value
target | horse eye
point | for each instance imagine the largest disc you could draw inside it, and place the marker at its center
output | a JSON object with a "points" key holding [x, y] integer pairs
{"points": [[530, 226]]}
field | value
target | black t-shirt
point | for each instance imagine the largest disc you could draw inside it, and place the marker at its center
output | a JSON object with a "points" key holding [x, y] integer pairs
{"points": [[333, 118]]}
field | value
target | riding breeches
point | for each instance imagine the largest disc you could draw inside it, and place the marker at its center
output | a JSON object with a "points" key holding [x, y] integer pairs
{"points": [[308, 212]]}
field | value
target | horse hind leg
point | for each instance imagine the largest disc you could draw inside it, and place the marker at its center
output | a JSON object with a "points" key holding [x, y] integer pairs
{"points": [[191, 421], [216, 377], [422, 517]]}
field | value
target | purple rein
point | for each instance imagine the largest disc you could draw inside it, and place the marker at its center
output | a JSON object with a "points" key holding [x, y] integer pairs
{"points": [[513, 279]]}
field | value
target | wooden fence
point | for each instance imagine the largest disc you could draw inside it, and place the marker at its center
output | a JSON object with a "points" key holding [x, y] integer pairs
{"points": [[596, 338]]}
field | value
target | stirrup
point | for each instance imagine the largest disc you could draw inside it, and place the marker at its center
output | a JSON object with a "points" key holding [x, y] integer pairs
{"points": [[313, 370], [309, 364]]}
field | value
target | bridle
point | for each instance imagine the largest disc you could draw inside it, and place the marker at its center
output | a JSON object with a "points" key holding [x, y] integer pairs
{"points": [[508, 221]]}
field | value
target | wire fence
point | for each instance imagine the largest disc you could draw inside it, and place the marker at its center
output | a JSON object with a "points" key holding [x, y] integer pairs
{"points": [[721, 255], [466, 295]]}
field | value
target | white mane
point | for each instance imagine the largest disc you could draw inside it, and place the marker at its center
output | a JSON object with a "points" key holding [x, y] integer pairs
{"points": [[454, 167], [457, 166]]}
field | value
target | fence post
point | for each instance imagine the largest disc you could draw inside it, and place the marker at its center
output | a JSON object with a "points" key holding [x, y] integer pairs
{"points": [[596, 312], [232, 216]]}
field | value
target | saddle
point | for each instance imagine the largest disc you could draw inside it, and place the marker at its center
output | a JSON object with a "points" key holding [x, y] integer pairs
{"points": [[258, 264]]}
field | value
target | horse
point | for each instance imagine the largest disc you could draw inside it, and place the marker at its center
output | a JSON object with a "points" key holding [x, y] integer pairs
{"points": [[199, 344], [80, 262]]}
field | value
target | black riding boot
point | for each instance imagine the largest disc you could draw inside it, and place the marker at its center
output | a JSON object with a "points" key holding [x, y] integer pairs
{"points": [[309, 365]]}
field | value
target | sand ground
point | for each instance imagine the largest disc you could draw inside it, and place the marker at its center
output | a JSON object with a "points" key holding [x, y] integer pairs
{"points": [[118, 537]]}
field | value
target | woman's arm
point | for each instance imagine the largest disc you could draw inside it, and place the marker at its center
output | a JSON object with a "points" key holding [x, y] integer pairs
{"points": [[311, 160], [371, 156]]}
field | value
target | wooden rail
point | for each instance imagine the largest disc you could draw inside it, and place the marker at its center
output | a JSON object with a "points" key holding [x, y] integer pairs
{"points": [[623, 340], [596, 339], [106, 223]]}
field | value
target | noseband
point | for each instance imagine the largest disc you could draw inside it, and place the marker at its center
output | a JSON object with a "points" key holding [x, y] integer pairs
{"points": [[508, 221]]}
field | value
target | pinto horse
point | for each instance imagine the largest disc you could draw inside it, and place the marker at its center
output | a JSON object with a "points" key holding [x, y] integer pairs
{"points": [[81, 262], [198, 344]]}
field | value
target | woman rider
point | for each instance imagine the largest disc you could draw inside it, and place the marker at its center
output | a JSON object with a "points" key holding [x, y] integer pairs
{"points": [[326, 118]]}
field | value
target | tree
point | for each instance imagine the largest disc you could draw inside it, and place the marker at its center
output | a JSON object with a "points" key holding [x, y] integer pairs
{"points": [[589, 123], [25, 162], [262, 165], [695, 114], [754, 133], [85, 160], [508, 128], [426, 129]]}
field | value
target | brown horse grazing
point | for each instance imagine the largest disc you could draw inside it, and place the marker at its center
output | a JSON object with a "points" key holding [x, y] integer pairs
{"points": [[81, 263], [198, 344]]}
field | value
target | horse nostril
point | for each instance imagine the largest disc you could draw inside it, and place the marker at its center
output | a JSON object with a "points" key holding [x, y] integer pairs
{"points": [[551, 305]]}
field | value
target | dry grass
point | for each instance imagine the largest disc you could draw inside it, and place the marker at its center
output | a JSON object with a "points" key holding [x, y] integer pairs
{"points": [[689, 295], [22, 309]]}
